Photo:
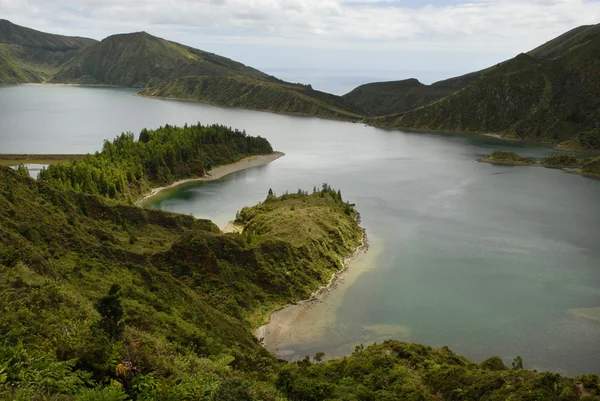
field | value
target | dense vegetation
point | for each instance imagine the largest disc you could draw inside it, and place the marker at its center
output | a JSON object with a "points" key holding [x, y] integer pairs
{"points": [[592, 168], [549, 94], [502, 157], [383, 98], [27, 55], [587, 166], [250, 93], [126, 167], [105, 301], [561, 160], [141, 60]]}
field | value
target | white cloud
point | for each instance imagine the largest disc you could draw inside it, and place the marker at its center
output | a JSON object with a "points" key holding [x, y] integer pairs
{"points": [[471, 27], [468, 26]]}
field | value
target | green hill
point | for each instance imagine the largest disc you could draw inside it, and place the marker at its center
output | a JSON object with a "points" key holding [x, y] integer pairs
{"points": [[383, 98], [501, 157], [141, 60], [547, 95], [105, 301], [250, 93], [27, 55]]}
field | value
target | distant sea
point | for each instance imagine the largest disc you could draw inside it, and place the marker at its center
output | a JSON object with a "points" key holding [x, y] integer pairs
{"points": [[340, 82]]}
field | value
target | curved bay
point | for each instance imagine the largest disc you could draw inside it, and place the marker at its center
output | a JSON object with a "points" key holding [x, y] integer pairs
{"points": [[489, 260]]}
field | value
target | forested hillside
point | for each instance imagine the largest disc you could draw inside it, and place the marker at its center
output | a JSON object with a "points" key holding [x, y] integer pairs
{"points": [[27, 55], [125, 168], [547, 95], [141, 60], [250, 93], [105, 301], [383, 98]]}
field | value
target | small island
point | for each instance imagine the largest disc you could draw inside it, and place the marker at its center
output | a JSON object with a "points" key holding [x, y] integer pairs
{"points": [[585, 166], [510, 158]]}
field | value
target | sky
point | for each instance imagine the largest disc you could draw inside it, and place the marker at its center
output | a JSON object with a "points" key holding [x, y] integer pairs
{"points": [[333, 44]]}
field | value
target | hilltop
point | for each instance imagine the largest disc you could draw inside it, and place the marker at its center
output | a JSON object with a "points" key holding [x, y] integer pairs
{"points": [[382, 98], [548, 94], [141, 60], [27, 55]]}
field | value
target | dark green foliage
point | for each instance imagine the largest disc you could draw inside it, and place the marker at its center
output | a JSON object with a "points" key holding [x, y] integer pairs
{"points": [[9, 256], [126, 167], [502, 157], [111, 313], [560, 160], [23, 171], [547, 95], [233, 390], [383, 98], [517, 363], [251, 93], [494, 363], [592, 167], [401, 371], [108, 393]]}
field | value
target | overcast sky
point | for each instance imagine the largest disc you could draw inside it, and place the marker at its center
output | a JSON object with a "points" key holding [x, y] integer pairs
{"points": [[309, 40]]}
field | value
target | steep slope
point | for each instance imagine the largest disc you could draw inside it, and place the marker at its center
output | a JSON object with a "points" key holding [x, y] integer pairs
{"points": [[382, 98], [575, 37], [141, 60], [27, 55], [546, 99], [385, 98], [250, 93]]}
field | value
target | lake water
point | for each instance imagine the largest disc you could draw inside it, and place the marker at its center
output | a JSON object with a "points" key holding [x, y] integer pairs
{"points": [[488, 260]]}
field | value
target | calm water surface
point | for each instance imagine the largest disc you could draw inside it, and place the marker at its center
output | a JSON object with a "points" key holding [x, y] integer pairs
{"points": [[488, 260]]}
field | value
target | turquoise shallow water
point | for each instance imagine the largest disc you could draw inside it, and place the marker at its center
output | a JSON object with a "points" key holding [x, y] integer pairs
{"points": [[485, 259]]}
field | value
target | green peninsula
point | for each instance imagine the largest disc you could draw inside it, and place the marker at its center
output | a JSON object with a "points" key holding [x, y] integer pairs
{"points": [[126, 168], [586, 166]]}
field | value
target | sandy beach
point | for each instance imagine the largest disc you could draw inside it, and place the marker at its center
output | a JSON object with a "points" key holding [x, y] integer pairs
{"points": [[296, 323], [218, 173]]}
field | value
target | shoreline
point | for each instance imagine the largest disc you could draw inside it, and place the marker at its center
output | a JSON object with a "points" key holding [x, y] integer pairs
{"points": [[216, 173], [274, 330], [215, 104]]}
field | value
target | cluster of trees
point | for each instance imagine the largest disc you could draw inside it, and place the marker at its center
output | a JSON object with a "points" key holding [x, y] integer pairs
{"points": [[158, 157], [323, 191]]}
